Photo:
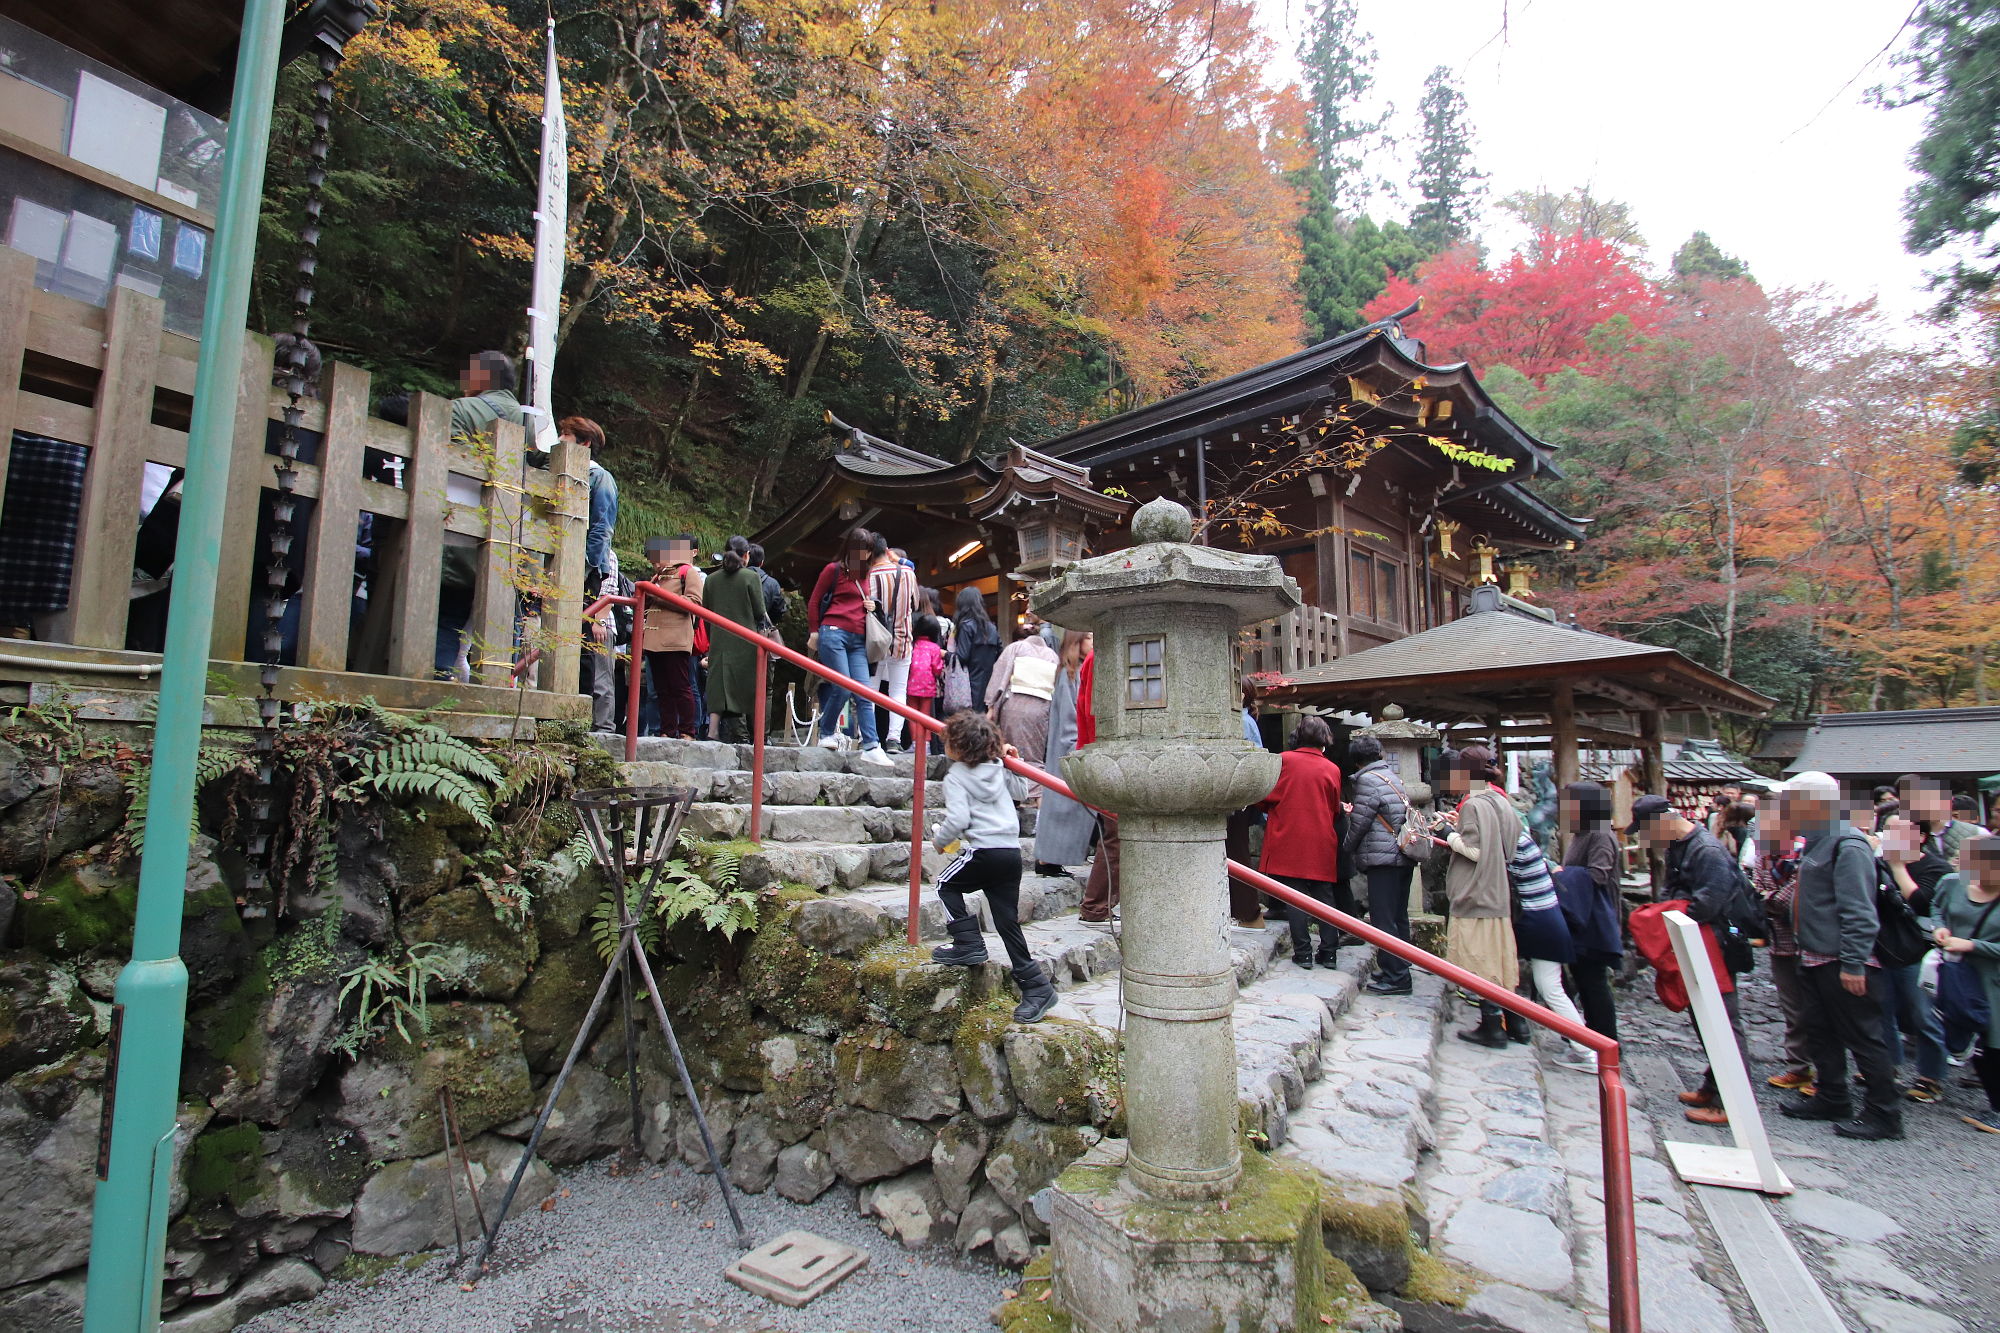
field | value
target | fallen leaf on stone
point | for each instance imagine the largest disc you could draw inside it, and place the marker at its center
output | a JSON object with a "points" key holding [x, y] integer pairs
{"points": [[1326, 1319], [708, 1226], [1008, 1293], [465, 1286], [565, 1194], [548, 1205]]}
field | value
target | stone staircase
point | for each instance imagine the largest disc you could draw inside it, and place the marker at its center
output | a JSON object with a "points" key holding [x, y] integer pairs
{"points": [[1466, 1183]]}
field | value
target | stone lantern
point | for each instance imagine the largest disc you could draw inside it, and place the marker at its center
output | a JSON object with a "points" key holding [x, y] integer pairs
{"points": [[1182, 1232]]}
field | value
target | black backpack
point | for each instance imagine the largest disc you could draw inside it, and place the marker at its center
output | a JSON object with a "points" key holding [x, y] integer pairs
{"points": [[1899, 937]]}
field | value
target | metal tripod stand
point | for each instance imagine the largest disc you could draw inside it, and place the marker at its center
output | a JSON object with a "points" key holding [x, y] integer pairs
{"points": [[632, 833]]}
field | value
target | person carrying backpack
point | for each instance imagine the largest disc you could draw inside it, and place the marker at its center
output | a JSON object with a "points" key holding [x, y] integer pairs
{"points": [[1702, 871], [1909, 1020], [1834, 918], [1375, 841]]}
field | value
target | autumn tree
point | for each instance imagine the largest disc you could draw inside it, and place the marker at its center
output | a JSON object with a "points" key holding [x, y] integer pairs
{"points": [[1577, 213], [1562, 301], [1446, 182]]}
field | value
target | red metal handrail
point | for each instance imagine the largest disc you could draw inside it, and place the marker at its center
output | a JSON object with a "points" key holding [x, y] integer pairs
{"points": [[1620, 1222]]}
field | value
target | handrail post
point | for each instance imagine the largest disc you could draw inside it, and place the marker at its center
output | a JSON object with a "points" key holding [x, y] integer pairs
{"points": [[920, 776], [632, 677], [1621, 1239], [759, 724]]}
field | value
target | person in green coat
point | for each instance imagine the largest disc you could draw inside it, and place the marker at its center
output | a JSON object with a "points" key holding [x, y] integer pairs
{"points": [[1966, 916], [737, 591]]}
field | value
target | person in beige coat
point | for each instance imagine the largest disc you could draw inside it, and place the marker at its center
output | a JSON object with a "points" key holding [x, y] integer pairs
{"points": [[1479, 936]]}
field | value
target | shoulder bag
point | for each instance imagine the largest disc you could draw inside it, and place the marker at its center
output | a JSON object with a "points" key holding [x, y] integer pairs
{"points": [[1413, 839]]}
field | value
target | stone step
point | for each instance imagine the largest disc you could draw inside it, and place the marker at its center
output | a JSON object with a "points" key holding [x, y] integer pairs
{"points": [[847, 923], [781, 788], [721, 755], [858, 825]]}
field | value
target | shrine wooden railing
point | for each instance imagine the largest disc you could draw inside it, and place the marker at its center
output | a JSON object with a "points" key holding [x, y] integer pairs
{"points": [[1308, 637], [114, 381]]}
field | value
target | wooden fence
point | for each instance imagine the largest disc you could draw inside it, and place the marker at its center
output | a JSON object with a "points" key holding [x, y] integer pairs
{"points": [[1308, 637], [114, 381]]}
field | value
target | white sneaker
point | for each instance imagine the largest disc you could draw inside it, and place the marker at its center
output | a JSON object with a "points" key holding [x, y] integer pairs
{"points": [[830, 741], [1582, 1064], [875, 754]]}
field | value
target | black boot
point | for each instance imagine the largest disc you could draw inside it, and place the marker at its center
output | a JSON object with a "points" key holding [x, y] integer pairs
{"points": [[1817, 1108], [1038, 993], [1329, 947], [1302, 936], [1490, 1032], [1870, 1125], [1517, 1027], [967, 947]]}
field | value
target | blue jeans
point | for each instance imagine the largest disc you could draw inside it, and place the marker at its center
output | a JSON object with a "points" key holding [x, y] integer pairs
{"points": [[1908, 1014], [846, 652]]}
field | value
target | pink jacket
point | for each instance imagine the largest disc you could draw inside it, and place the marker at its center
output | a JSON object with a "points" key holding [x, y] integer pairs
{"points": [[926, 662]]}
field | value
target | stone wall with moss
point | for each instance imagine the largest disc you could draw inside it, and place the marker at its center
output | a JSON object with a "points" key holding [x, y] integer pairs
{"points": [[311, 1131], [296, 1107]]}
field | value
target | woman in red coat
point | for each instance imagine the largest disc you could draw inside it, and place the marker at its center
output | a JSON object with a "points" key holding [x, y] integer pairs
{"points": [[1301, 847]]}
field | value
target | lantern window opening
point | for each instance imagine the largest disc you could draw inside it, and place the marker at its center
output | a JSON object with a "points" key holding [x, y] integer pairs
{"points": [[1145, 672]]}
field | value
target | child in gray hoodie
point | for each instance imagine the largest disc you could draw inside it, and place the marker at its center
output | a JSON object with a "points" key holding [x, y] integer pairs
{"points": [[979, 815]]}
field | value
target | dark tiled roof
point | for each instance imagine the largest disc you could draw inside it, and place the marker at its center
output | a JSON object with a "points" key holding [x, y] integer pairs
{"points": [[1782, 740], [1917, 740]]}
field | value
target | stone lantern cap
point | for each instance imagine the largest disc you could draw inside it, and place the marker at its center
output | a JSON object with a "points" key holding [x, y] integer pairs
{"points": [[1393, 726], [1163, 567]]}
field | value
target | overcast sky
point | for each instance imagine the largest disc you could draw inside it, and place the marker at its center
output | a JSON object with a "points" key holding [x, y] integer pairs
{"points": [[1700, 114]]}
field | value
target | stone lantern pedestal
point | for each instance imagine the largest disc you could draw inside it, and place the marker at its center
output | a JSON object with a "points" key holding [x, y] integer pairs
{"points": [[1176, 1234]]}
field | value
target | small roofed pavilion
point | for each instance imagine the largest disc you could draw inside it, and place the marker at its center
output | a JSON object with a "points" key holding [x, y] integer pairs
{"points": [[1516, 674]]}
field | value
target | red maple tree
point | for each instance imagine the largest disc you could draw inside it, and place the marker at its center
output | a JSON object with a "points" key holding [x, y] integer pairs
{"points": [[1565, 301]]}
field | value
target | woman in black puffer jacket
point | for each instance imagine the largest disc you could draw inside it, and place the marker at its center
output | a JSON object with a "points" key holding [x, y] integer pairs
{"points": [[1380, 805]]}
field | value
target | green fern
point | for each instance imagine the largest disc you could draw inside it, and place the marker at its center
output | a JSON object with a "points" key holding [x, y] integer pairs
{"points": [[439, 784], [396, 993], [212, 762], [441, 751], [703, 884], [604, 930]]}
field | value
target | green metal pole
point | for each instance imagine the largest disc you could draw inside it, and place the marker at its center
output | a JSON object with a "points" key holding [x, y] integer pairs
{"points": [[128, 1225]]}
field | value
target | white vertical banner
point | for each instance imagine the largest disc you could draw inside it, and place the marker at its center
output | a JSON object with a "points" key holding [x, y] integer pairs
{"points": [[551, 238]]}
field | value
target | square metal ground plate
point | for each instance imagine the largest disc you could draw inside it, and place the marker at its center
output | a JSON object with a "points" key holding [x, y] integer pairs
{"points": [[795, 1268]]}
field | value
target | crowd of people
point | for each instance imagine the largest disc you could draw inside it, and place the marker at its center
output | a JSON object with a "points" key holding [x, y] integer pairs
{"points": [[1881, 942], [1879, 924]]}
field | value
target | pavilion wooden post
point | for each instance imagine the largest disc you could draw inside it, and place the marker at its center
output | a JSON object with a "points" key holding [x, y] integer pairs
{"points": [[1653, 767], [1562, 743]]}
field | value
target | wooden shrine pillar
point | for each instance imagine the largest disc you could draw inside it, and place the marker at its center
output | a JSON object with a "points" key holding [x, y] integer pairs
{"points": [[1562, 744], [1654, 768]]}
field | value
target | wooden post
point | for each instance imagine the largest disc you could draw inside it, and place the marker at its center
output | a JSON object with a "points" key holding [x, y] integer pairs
{"points": [[17, 303], [107, 529], [569, 520], [413, 641], [1654, 769], [329, 558], [1562, 744], [249, 469], [494, 597]]}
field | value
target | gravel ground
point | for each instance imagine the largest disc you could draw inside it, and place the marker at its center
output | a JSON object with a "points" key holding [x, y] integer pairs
{"points": [[644, 1253], [1940, 1183]]}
